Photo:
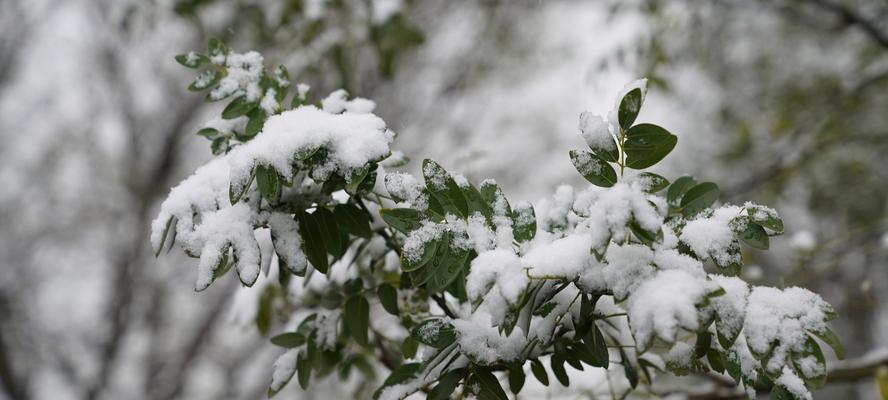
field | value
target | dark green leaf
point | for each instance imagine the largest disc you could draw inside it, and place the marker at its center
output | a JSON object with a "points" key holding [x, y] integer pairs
{"points": [[357, 319], [205, 80], [209, 133], [653, 182], [765, 217], [444, 188], [716, 361], [475, 202], [516, 378], [446, 385], [645, 236], [401, 374], [539, 372], [594, 341], [523, 222], [630, 105], [257, 120], [810, 350], [335, 241], [830, 338], [353, 220], [289, 340], [593, 168], [678, 189], [755, 236], [631, 373], [313, 241], [704, 340], [647, 144], [238, 107], [490, 387], [269, 183], [428, 252], [495, 199], [436, 333], [409, 347], [557, 364], [402, 219], [216, 47], [699, 198], [192, 60], [388, 297]]}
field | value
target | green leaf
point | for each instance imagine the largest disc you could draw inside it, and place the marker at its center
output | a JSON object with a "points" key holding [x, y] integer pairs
{"points": [[313, 241], [401, 374], [781, 393], [716, 361], [830, 338], [216, 47], [755, 236], [269, 183], [405, 220], [357, 319], [594, 341], [490, 387], [192, 60], [238, 107], [475, 202], [495, 199], [631, 373], [205, 80], [409, 347], [257, 118], [765, 217], [353, 220], [171, 224], [436, 333], [699, 198], [446, 385], [678, 189], [646, 145], [209, 133], [645, 236], [653, 182], [539, 372], [428, 252], [335, 241], [288, 340], [557, 364], [445, 268], [809, 350], [303, 370], [704, 340], [523, 222], [593, 168], [388, 297], [516, 378], [444, 188], [264, 313], [630, 105]]}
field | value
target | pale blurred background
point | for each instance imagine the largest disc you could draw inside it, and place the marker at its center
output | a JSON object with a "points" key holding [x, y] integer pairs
{"points": [[783, 102]]}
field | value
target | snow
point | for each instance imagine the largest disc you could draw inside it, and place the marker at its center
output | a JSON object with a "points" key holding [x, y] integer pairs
{"points": [[628, 266], [244, 71], [352, 141], [283, 369], [269, 103], [665, 303], [566, 257], [789, 380], [730, 308], [406, 187], [782, 317], [594, 130], [228, 226], [712, 236], [497, 278], [416, 241], [608, 212], [287, 241]]}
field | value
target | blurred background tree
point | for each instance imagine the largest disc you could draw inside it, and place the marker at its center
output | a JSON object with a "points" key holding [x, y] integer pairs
{"points": [[95, 128]]}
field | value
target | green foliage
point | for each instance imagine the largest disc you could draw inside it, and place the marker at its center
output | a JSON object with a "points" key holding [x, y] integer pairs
{"points": [[361, 230]]}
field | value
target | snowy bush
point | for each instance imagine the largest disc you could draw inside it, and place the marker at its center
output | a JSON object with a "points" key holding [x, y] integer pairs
{"points": [[452, 287]]}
